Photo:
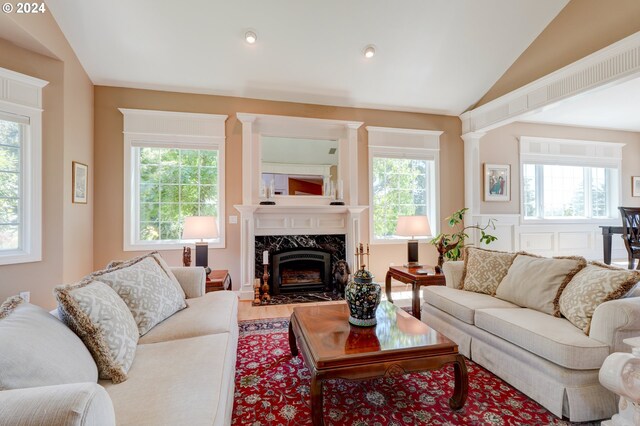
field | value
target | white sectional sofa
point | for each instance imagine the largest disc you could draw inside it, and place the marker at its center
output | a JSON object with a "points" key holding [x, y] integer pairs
{"points": [[183, 373], [545, 357]]}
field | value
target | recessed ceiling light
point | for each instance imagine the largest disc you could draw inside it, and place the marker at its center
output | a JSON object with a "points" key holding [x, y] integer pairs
{"points": [[369, 51], [250, 37]]}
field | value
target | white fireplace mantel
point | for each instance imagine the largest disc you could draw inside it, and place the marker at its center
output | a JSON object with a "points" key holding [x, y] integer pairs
{"points": [[292, 220]]}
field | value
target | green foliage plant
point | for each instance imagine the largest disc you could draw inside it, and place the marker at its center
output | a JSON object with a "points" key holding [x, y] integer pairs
{"points": [[450, 246]]}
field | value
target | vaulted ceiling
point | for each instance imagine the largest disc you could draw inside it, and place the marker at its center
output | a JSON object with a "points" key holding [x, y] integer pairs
{"points": [[436, 56]]}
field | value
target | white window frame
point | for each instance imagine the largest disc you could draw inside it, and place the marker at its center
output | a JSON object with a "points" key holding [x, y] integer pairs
{"points": [[570, 152], [163, 129], [21, 96], [406, 144]]}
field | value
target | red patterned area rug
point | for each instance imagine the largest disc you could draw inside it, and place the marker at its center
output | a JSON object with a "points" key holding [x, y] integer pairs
{"points": [[272, 388]]}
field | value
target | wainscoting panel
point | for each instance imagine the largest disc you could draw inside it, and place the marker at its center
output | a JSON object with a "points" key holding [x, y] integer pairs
{"points": [[550, 239]]}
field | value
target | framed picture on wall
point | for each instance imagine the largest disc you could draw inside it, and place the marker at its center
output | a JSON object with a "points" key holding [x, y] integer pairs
{"points": [[497, 182], [635, 186], [80, 176]]}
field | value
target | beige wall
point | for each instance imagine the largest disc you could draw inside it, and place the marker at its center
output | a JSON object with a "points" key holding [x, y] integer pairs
{"points": [[108, 212], [500, 146], [581, 28], [67, 136]]}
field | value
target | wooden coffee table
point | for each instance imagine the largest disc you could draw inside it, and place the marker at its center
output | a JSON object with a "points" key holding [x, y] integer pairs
{"points": [[398, 344]]}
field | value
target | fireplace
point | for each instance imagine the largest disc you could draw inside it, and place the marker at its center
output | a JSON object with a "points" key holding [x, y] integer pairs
{"points": [[301, 271], [299, 263]]}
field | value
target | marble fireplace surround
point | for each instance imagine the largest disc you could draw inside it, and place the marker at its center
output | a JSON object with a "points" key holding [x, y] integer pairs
{"points": [[334, 245]]}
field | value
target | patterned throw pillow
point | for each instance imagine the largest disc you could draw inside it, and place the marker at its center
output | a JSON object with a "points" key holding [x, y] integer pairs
{"points": [[146, 289], [595, 284], [485, 269], [101, 319], [165, 267], [537, 282]]}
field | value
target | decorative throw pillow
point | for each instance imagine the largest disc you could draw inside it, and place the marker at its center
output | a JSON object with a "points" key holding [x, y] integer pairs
{"points": [[36, 349], [146, 289], [161, 262], [537, 282], [595, 284], [485, 269], [101, 319]]}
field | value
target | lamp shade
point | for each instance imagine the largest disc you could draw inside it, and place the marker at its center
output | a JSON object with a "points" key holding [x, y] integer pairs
{"points": [[200, 227], [411, 226]]}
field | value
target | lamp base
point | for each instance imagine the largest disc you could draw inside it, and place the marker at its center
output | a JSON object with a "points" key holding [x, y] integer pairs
{"points": [[413, 265], [337, 203], [267, 203], [202, 254]]}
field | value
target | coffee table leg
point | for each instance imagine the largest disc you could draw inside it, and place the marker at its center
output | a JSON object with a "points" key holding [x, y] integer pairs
{"points": [[292, 338], [316, 401], [387, 286], [459, 397], [415, 299]]}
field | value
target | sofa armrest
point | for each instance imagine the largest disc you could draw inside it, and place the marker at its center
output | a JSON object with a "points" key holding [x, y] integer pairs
{"points": [[60, 405], [192, 280], [616, 320], [453, 273]]}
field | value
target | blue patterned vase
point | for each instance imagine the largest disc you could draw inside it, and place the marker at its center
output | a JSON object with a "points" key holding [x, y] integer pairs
{"points": [[363, 298]]}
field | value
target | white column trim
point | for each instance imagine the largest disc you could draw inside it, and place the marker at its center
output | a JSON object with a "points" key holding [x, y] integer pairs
{"points": [[472, 173]]}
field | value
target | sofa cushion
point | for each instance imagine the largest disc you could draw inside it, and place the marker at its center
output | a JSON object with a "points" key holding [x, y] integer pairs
{"points": [[215, 312], [37, 349], [167, 269], [459, 303], [551, 338], [180, 382], [595, 284], [537, 282], [485, 269], [96, 313], [146, 288]]}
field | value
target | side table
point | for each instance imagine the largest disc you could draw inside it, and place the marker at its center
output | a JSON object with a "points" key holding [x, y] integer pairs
{"points": [[411, 276], [218, 279]]}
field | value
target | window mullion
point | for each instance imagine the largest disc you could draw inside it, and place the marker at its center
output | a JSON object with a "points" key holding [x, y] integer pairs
{"points": [[587, 188], [539, 185]]}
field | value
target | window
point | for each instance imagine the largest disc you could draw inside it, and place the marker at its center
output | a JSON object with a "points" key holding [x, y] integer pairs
{"points": [[403, 176], [172, 184], [171, 176], [579, 186], [20, 170]]}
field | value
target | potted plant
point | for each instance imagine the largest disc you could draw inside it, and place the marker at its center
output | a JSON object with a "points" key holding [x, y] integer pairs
{"points": [[450, 245]]}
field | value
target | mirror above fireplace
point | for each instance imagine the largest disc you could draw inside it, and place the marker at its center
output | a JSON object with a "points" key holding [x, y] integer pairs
{"points": [[299, 167]]}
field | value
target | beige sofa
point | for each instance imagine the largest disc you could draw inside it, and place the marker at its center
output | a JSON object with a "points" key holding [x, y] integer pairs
{"points": [[547, 358], [183, 373]]}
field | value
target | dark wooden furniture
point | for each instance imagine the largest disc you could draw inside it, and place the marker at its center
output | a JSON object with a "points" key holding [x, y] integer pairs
{"points": [[607, 233], [218, 280], [411, 276], [398, 344], [631, 233]]}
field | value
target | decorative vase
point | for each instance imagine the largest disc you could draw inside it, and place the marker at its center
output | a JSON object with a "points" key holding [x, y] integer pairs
{"points": [[363, 298]]}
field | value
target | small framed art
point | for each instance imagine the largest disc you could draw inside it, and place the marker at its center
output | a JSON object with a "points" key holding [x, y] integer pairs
{"points": [[80, 177], [635, 186], [497, 182]]}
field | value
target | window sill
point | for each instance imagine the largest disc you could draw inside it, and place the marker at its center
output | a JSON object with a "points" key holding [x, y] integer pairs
{"points": [[168, 246], [17, 257], [569, 221]]}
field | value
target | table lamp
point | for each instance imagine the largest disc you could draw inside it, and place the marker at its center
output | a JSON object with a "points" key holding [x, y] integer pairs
{"points": [[412, 226], [200, 228]]}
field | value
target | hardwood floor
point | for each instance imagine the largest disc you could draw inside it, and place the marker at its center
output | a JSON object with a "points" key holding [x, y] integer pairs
{"points": [[246, 311]]}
